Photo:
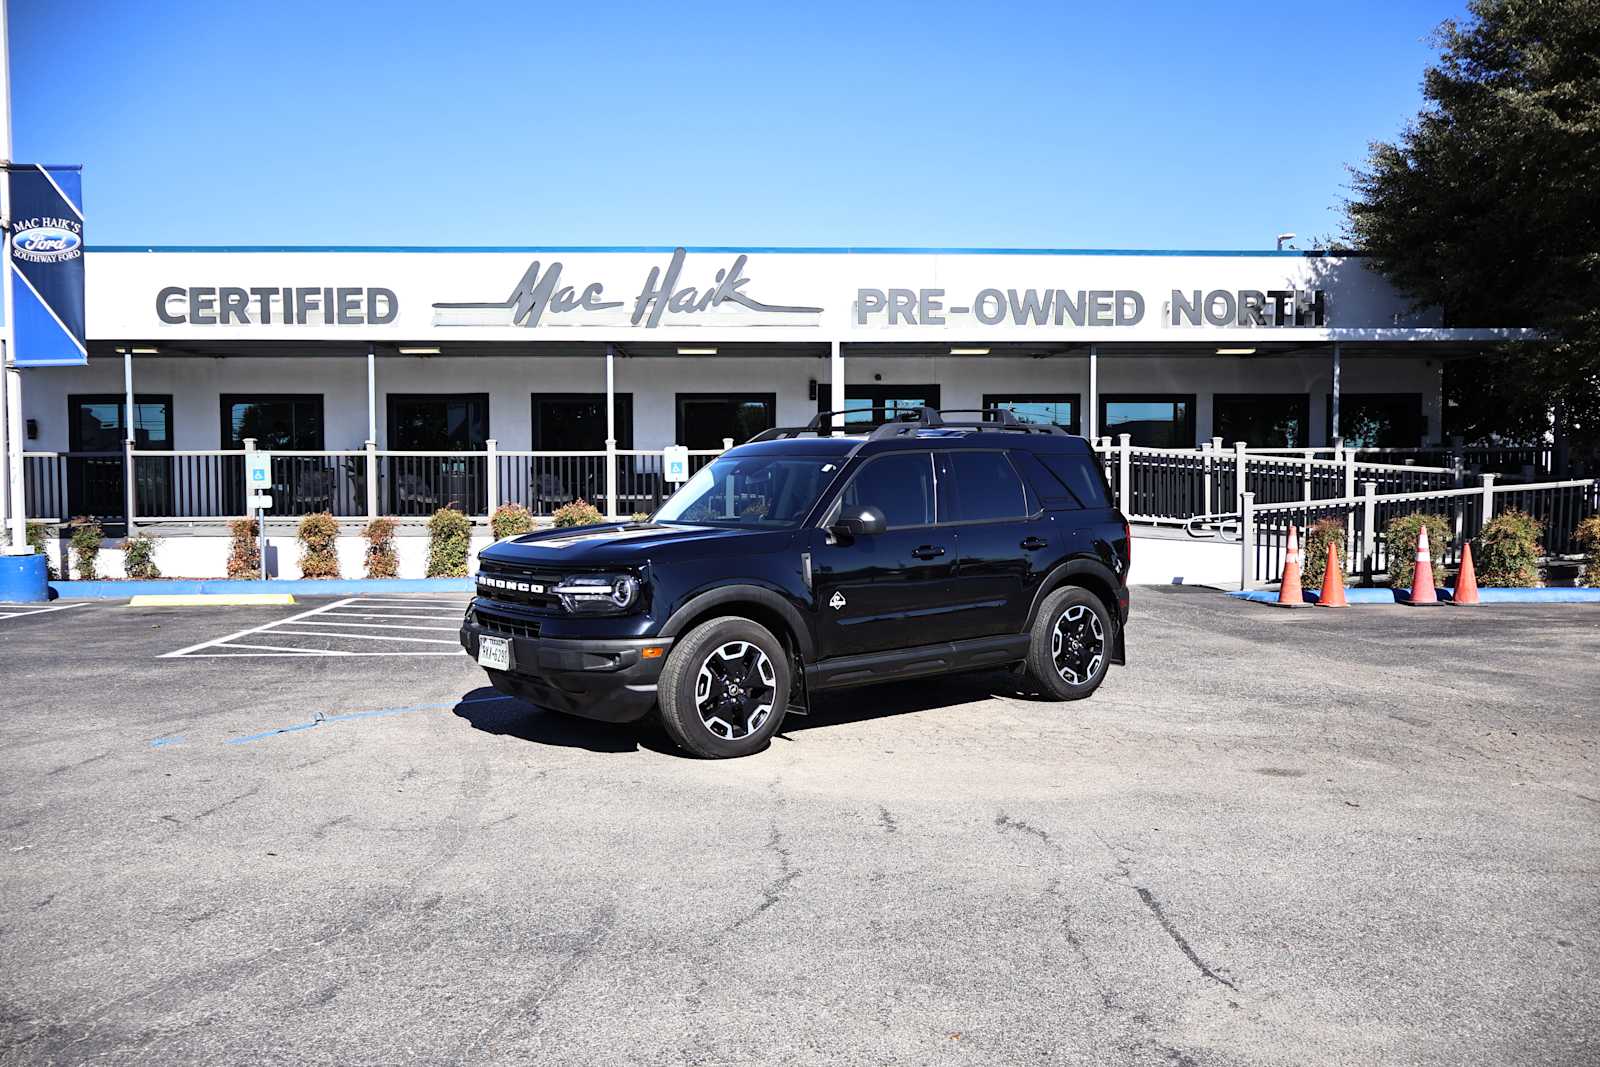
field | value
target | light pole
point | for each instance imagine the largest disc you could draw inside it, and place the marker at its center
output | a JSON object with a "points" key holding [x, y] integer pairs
{"points": [[1282, 237]]}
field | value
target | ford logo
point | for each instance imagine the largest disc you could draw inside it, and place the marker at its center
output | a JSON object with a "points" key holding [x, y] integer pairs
{"points": [[46, 242]]}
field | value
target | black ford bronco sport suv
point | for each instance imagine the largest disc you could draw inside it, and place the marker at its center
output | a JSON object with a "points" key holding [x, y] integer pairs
{"points": [[800, 562]]}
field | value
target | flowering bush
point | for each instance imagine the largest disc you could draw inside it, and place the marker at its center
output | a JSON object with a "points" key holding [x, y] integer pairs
{"points": [[138, 556], [509, 520], [86, 538], [578, 513], [244, 554], [319, 546], [449, 543], [381, 562], [1506, 551]]}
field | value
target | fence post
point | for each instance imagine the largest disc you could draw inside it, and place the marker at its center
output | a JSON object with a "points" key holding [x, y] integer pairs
{"points": [[492, 478], [1488, 501], [1247, 539], [611, 477], [1240, 460], [1305, 477], [727, 443], [372, 479], [1205, 478], [1124, 450], [128, 490], [1369, 531]]}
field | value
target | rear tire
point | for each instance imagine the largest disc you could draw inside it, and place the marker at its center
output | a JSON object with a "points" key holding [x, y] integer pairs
{"points": [[724, 688], [1070, 645]]}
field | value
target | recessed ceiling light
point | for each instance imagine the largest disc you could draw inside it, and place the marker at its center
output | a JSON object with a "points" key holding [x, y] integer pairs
{"points": [[404, 351], [969, 351], [1236, 351], [696, 351]]}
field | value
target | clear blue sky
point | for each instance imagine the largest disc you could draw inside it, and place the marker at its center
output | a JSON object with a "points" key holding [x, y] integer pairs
{"points": [[1154, 125]]}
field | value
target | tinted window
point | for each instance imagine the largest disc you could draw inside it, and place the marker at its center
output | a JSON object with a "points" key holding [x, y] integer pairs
{"points": [[986, 486], [278, 423], [1150, 421], [900, 486], [1081, 475]]}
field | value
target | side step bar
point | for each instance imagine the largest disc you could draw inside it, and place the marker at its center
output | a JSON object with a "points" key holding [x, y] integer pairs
{"points": [[868, 668]]}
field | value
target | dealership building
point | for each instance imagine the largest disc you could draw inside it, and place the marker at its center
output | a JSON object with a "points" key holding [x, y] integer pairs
{"points": [[420, 348], [532, 358]]}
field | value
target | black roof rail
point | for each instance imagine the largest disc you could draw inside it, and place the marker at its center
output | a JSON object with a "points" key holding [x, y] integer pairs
{"points": [[910, 420]]}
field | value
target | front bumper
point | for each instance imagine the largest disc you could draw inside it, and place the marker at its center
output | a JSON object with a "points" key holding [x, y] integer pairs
{"points": [[596, 678]]}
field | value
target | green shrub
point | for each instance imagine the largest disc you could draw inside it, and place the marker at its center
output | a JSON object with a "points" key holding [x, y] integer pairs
{"points": [[1506, 551], [39, 535], [1318, 536], [86, 538], [1587, 537], [449, 544], [244, 553], [381, 561], [640, 516], [509, 520], [1401, 538], [578, 513], [319, 546], [138, 556]]}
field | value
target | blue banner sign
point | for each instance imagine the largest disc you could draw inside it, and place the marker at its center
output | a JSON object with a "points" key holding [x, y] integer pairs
{"points": [[47, 328]]}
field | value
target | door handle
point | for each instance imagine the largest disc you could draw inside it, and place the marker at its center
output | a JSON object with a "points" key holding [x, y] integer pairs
{"points": [[927, 551], [1032, 543]]}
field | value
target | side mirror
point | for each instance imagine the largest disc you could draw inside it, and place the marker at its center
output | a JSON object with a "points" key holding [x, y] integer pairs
{"points": [[858, 522]]}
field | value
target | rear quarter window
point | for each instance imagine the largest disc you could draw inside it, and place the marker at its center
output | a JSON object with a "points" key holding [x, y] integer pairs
{"points": [[1079, 474]]}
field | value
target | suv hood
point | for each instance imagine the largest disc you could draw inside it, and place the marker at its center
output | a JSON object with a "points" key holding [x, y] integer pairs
{"points": [[631, 544]]}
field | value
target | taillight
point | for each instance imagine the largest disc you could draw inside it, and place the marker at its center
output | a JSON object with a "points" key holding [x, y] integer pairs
{"points": [[1127, 535]]}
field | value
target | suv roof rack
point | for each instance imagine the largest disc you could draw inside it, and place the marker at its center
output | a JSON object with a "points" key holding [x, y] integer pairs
{"points": [[909, 421]]}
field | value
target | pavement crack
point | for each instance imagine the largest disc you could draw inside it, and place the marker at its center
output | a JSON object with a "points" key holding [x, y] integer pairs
{"points": [[889, 823], [247, 794], [1177, 937], [1005, 822]]}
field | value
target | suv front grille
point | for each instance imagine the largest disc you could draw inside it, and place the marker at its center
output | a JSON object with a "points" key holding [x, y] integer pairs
{"points": [[505, 626], [503, 580]]}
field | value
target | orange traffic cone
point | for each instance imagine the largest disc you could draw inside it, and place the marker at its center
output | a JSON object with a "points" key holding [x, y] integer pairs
{"points": [[1332, 582], [1422, 594], [1467, 580], [1289, 594]]}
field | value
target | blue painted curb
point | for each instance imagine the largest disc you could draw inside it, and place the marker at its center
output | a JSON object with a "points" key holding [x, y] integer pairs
{"points": [[297, 586], [22, 579], [1556, 595]]}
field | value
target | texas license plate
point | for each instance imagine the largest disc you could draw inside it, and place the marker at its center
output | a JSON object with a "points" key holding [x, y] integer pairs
{"points": [[495, 653]]}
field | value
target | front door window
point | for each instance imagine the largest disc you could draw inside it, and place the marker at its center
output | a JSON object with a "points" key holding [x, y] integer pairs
{"points": [[94, 481]]}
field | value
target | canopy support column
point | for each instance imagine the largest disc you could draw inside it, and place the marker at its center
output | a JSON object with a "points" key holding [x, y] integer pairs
{"points": [[611, 431], [372, 393], [836, 382], [1094, 395], [1333, 416]]}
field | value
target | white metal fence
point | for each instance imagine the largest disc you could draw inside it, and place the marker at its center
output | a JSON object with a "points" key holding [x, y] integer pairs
{"points": [[183, 485]]}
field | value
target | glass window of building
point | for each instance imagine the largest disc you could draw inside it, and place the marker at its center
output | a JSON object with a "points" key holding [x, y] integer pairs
{"points": [[576, 422], [1061, 409], [1150, 420], [864, 402], [1380, 420], [445, 423], [94, 482], [282, 422], [704, 419], [1262, 420]]}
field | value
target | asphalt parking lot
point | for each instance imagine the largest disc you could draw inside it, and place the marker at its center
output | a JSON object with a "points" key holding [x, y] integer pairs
{"points": [[1369, 837]]}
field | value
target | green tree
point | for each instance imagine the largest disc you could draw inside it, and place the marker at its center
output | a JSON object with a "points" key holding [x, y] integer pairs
{"points": [[1488, 208]]}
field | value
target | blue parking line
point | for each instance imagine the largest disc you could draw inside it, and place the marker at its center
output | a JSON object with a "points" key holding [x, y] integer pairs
{"points": [[163, 742], [350, 716]]}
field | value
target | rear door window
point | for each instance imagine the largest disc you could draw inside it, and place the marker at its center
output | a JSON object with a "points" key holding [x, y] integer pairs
{"points": [[987, 488], [1080, 474]]}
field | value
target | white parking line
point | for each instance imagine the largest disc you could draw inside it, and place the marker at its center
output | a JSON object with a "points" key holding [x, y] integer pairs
{"points": [[37, 611], [347, 627]]}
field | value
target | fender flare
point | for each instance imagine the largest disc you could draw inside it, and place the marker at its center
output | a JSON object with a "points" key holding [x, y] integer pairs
{"points": [[1062, 573], [727, 594]]}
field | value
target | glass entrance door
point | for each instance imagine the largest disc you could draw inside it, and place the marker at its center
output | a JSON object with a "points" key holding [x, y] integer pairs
{"points": [[458, 422], [96, 428], [859, 400]]}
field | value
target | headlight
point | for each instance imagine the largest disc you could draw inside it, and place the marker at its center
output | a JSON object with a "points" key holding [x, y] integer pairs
{"points": [[598, 594]]}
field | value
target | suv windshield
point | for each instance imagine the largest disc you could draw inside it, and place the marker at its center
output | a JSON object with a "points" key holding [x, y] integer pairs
{"points": [[754, 491]]}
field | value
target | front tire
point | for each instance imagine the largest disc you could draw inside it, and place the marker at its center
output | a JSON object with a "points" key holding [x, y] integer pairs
{"points": [[1069, 647], [724, 688]]}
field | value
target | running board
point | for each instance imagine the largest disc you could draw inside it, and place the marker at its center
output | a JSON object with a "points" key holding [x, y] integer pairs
{"points": [[972, 654]]}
